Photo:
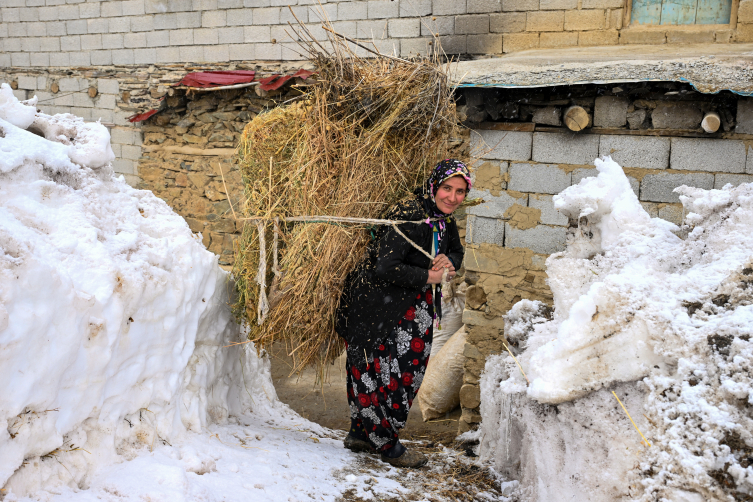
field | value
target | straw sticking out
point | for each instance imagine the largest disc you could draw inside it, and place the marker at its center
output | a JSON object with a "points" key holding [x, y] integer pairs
{"points": [[516, 362], [631, 418]]}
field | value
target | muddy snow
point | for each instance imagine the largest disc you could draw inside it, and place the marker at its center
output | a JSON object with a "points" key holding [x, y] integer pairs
{"points": [[658, 314]]}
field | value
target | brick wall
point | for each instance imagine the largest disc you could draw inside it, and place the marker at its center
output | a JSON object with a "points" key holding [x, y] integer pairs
{"points": [[74, 33], [510, 236]]}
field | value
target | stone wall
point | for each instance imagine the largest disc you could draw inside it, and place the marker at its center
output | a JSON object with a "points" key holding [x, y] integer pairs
{"points": [[75, 33], [510, 235], [112, 94], [188, 158]]}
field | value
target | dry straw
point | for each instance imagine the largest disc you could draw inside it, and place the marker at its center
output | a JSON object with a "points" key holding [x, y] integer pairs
{"points": [[362, 137]]}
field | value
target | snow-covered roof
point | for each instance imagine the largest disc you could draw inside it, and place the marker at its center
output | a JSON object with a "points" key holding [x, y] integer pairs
{"points": [[710, 68]]}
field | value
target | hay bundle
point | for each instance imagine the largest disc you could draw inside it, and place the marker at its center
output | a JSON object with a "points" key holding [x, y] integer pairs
{"points": [[361, 138]]}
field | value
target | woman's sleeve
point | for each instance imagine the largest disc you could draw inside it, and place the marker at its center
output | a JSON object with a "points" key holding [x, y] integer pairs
{"points": [[455, 251], [391, 251]]}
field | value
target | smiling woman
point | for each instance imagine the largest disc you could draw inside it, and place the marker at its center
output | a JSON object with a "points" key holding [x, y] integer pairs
{"points": [[387, 312]]}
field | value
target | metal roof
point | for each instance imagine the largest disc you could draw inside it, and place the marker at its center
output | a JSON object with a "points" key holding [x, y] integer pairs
{"points": [[709, 68]]}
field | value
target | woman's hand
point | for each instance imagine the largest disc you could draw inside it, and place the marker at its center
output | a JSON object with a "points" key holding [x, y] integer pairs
{"points": [[435, 276], [441, 261]]}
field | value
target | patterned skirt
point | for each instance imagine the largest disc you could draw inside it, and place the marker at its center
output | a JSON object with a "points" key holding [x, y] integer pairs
{"points": [[381, 387]]}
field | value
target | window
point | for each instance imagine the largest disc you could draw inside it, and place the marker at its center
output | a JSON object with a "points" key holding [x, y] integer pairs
{"points": [[681, 12]]}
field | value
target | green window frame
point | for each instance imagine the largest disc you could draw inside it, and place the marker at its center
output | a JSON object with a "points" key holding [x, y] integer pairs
{"points": [[680, 12]]}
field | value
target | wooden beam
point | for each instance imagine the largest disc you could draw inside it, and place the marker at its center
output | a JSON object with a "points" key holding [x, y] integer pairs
{"points": [[505, 126]]}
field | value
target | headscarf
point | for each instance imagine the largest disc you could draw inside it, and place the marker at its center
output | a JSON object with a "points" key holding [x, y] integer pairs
{"points": [[443, 171]]}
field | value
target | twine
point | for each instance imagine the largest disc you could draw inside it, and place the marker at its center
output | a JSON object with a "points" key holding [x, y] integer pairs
{"points": [[341, 219], [275, 265], [261, 279]]}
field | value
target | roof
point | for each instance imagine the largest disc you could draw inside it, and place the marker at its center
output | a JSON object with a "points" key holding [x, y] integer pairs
{"points": [[709, 68]]}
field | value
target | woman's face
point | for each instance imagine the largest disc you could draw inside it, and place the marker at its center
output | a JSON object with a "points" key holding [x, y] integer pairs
{"points": [[451, 194]]}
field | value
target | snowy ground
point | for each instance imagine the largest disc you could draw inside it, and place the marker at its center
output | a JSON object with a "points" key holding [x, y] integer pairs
{"points": [[258, 457], [120, 378]]}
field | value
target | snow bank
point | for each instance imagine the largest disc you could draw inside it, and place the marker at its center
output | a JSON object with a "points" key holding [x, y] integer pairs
{"points": [[18, 114], [664, 322], [113, 317]]}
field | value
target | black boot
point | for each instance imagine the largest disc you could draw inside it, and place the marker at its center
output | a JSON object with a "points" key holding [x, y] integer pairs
{"points": [[357, 440]]}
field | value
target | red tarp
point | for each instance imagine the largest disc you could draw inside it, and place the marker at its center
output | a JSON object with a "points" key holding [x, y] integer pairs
{"points": [[141, 116], [276, 81], [221, 78], [217, 78]]}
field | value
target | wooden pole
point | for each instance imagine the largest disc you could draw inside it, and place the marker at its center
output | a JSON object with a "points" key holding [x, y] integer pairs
{"points": [[576, 118], [711, 122]]}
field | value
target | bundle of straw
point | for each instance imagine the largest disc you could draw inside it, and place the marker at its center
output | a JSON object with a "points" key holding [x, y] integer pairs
{"points": [[362, 138]]}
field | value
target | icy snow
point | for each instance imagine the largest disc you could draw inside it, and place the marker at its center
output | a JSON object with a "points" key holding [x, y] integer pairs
{"points": [[664, 322], [119, 378], [15, 112]]}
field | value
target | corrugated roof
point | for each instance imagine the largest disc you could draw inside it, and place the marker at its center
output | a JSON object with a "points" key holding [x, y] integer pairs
{"points": [[709, 68]]}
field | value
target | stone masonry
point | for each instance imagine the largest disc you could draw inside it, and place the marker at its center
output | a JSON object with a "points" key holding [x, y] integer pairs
{"points": [[112, 94]]}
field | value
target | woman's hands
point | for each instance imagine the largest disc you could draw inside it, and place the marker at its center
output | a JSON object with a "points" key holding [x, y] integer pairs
{"points": [[441, 261], [440, 264]]}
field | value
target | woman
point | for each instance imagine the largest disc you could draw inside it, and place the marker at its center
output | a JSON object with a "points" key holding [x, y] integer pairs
{"points": [[387, 313]]}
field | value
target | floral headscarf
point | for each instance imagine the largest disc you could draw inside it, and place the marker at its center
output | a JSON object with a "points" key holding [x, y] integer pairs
{"points": [[444, 170]]}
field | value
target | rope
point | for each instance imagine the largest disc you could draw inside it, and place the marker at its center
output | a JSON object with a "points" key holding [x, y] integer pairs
{"points": [[434, 286], [429, 256], [275, 265], [342, 219], [261, 278], [263, 307]]}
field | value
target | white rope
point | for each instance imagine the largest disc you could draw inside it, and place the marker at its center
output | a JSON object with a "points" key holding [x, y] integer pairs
{"points": [[261, 276], [434, 286], [275, 265], [341, 219], [445, 273], [429, 256]]}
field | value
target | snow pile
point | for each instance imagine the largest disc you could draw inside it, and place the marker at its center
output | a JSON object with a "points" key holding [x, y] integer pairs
{"points": [[663, 322], [113, 317], [18, 114]]}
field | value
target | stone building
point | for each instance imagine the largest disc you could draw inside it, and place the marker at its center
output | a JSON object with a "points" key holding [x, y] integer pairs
{"points": [[646, 78]]}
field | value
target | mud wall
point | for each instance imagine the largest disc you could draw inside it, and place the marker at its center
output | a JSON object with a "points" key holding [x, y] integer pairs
{"points": [[112, 94]]}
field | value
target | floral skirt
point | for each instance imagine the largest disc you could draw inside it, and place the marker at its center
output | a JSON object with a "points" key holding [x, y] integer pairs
{"points": [[381, 387]]}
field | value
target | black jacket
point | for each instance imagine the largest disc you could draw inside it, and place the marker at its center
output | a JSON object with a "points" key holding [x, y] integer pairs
{"points": [[382, 287]]}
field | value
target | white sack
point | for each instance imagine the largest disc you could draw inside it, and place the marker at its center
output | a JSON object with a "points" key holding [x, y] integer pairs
{"points": [[452, 318], [440, 390]]}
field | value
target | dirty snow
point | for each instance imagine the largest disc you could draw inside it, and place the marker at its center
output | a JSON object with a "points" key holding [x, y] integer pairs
{"points": [[658, 314]]}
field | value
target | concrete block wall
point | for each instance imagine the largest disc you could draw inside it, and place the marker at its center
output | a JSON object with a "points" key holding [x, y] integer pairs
{"points": [[41, 33], [511, 234]]}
